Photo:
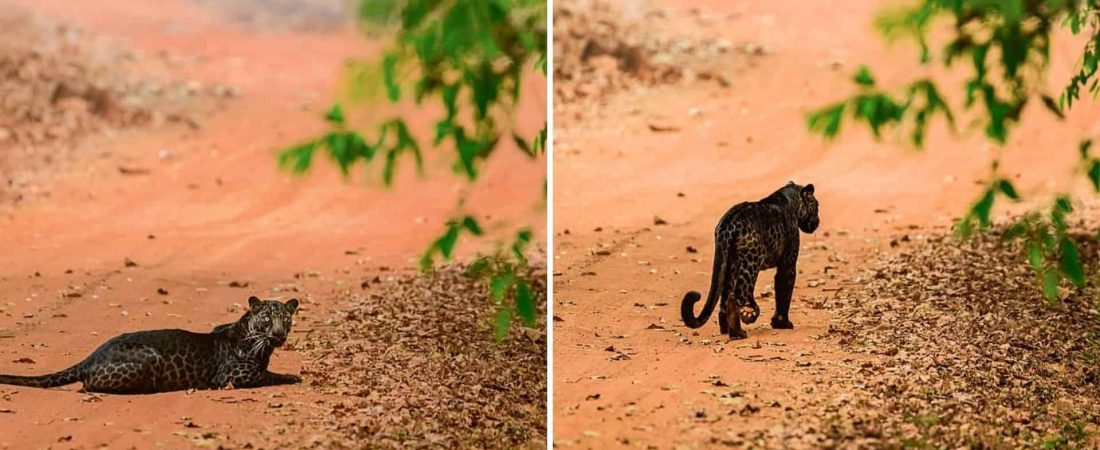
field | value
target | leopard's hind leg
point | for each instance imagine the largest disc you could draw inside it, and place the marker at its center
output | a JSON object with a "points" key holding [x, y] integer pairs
{"points": [[742, 283], [723, 324], [125, 369], [122, 378]]}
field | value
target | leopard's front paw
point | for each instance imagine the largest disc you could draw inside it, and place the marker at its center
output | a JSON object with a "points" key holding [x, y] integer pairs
{"points": [[738, 334], [782, 323], [293, 379]]}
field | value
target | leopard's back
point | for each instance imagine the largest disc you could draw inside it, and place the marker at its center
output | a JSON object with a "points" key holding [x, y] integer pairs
{"points": [[758, 231]]}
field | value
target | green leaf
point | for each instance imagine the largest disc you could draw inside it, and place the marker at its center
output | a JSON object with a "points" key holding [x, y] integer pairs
{"points": [[446, 242], [406, 142], [426, 262], [1015, 231], [338, 149], [389, 71], [471, 225], [525, 302], [1006, 187], [1047, 239], [379, 12], [297, 159], [1013, 48], [523, 145], [444, 245], [443, 128], [1070, 262], [415, 12], [1063, 205], [1094, 174], [450, 94], [1034, 255], [335, 115], [964, 227], [826, 121], [1053, 107], [982, 208], [479, 267], [486, 87], [503, 323], [523, 238], [1051, 280], [539, 146], [540, 63], [358, 147], [863, 77], [1058, 212], [468, 152], [390, 167], [499, 285]]}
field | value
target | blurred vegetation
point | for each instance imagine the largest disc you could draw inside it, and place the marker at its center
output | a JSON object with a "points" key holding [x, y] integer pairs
{"points": [[470, 57], [1003, 48]]}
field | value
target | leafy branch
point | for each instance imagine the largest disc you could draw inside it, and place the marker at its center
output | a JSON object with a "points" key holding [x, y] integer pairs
{"points": [[469, 57], [504, 272], [1049, 248], [1004, 48], [346, 147], [444, 245]]}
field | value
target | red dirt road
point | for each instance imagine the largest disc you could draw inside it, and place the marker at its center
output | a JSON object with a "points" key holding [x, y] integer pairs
{"points": [[216, 211], [627, 372]]}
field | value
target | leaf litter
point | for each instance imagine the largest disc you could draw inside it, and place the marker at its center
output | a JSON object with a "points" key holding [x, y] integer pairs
{"points": [[956, 348], [413, 363]]}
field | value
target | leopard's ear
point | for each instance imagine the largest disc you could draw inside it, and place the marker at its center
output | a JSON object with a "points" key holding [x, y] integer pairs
{"points": [[292, 304], [254, 303], [808, 189]]}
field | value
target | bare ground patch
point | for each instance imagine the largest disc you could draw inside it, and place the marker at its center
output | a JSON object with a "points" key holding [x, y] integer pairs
{"points": [[602, 47], [59, 83], [296, 15]]}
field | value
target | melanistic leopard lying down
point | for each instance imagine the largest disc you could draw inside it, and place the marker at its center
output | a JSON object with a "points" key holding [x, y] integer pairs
{"points": [[235, 354], [750, 237]]}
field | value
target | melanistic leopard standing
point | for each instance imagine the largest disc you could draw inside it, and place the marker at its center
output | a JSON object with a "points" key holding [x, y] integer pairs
{"points": [[750, 237], [234, 354]]}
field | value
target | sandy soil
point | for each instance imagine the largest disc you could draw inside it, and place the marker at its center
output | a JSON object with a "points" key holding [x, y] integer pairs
{"points": [[627, 372], [216, 211]]}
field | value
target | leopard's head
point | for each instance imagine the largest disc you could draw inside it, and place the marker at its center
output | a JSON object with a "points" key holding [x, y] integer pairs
{"points": [[268, 321], [807, 214]]}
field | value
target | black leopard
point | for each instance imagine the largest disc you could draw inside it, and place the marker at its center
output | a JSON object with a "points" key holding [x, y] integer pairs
{"points": [[750, 237], [232, 355]]}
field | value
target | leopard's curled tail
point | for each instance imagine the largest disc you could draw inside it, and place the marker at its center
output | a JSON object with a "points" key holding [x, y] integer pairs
{"points": [[717, 283], [67, 376]]}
